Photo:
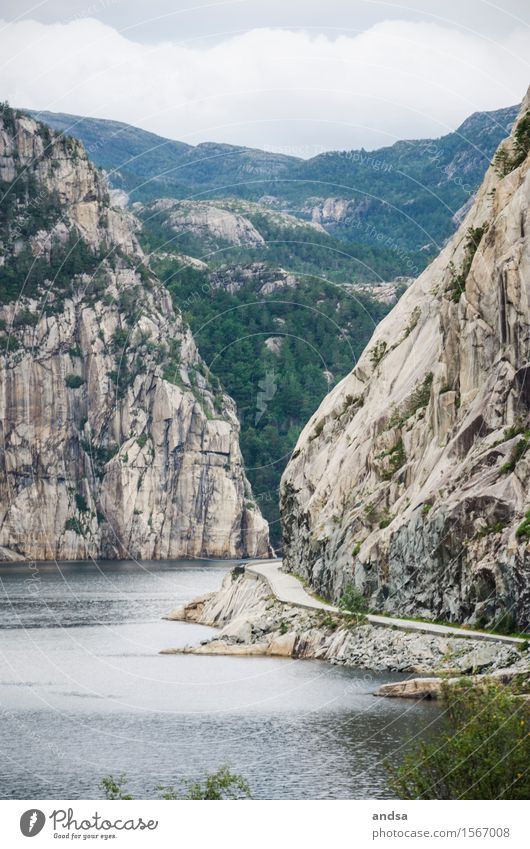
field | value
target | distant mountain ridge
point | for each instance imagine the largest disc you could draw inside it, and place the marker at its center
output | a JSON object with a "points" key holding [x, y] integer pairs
{"points": [[412, 189]]}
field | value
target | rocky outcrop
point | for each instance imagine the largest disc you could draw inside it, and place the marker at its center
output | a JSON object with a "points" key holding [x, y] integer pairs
{"points": [[435, 688], [384, 293], [412, 478], [204, 220], [208, 227], [116, 441], [263, 278], [253, 622], [329, 212]]}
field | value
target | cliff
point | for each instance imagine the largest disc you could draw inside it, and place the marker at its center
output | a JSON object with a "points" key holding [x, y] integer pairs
{"points": [[412, 477], [115, 440]]}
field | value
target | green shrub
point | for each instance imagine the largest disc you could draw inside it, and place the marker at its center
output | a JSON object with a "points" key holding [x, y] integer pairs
{"points": [[172, 364], [72, 525], [81, 503], [113, 787], [516, 429], [505, 623], [483, 752], [74, 381], [120, 339], [523, 531], [504, 162], [352, 600], [219, 785], [99, 454], [398, 458], [8, 117], [25, 317], [517, 452], [494, 528], [386, 518]]}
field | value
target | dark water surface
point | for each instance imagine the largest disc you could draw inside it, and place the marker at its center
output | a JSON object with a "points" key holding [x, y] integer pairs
{"points": [[84, 693]]}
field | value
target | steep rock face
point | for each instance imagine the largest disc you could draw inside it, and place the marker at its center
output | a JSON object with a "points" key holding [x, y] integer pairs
{"points": [[115, 440], [412, 477]]}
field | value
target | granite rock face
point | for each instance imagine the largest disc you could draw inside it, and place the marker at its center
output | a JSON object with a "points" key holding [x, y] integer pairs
{"points": [[412, 478], [204, 220], [116, 441]]}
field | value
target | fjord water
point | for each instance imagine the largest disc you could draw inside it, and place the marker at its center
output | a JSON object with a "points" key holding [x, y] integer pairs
{"points": [[84, 692]]}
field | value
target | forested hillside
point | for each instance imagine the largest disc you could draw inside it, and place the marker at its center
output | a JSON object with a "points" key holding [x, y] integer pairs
{"points": [[408, 192]]}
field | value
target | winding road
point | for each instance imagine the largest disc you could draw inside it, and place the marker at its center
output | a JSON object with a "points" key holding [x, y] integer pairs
{"points": [[290, 590]]}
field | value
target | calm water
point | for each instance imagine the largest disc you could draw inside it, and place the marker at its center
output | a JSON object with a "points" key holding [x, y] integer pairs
{"points": [[84, 693]]}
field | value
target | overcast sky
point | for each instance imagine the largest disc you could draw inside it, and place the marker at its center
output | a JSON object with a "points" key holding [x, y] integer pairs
{"points": [[289, 75]]}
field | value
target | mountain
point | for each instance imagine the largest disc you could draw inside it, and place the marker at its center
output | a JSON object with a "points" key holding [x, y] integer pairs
{"points": [[278, 341], [409, 195], [404, 198], [260, 294], [231, 230], [150, 166], [117, 441], [412, 478]]}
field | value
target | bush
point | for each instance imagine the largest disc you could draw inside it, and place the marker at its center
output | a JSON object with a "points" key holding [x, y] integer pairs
{"points": [[114, 787], [523, 531], [483, 754], [81, 503], [72, 525], [352, 600], [219, 785], [505, 623], [517, 452], [73, 381], [397, 459], [503, 162]]}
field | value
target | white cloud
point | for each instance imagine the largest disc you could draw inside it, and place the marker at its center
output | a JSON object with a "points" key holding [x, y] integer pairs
{"points": [[270, 88]]}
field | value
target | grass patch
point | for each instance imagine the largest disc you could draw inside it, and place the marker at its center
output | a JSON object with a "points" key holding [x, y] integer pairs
{"points": [[493, 631], [523, 531]]}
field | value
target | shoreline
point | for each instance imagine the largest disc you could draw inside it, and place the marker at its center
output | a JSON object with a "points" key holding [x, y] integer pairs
{"points": [[253, 621]]}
